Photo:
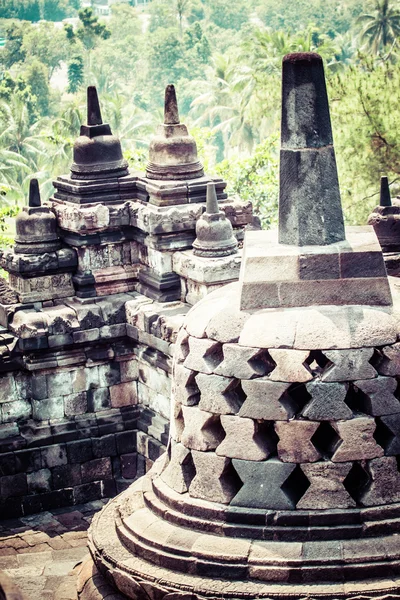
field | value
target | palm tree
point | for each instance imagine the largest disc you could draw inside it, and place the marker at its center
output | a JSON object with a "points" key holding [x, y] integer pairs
{"points": [[381, 28]]}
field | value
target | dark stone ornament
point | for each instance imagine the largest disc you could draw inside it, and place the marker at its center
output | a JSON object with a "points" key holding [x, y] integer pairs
{"points": [[173, 152], [310, 210], [213, 230], [36, 226], [385, 220], [97, 152]]}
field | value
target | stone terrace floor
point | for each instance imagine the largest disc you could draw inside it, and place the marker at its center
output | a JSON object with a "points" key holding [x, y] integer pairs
{"points": [[40, 552]]}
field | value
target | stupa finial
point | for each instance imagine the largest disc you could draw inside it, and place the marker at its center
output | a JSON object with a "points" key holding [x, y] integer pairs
{"points": [[211, 199], [34, 193], [171, 112], [93, 107], [310, 211], [385, 199]]}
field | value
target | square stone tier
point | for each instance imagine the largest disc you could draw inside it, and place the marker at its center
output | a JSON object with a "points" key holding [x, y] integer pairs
{"points": [[277, 275]]}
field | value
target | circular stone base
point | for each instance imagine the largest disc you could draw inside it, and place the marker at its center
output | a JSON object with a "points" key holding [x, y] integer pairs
{"points": [[218, 566]]}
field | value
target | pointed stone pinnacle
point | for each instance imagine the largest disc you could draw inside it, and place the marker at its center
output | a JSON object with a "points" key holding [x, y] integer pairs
{"points": [[211, 199], [385, 199], [93, 107], [310, 211], [171, 113], [34, 193]]}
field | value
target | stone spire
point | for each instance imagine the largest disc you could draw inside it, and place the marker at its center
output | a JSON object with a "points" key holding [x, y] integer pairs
{"points": [[385, 199], [36, 226], [173, 152], [97, 152], [214, 232], [310, 210]]}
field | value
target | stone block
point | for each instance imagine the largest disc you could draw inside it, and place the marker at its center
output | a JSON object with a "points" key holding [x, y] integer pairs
{"points": [[156, 379], [126, 441], [263, 484], [290, 366], [54, 456], [86, 336], [13, 485], [295, 445], [98, 399], [327, 402], [218, 394], [124, 394], [326, 489], [347, 365], [87, 492], [384, 487], [244, 439], [104, 446], [109, 374], [184, 386], [179, 472], [357, 440], [129, 465], [39, 482], [66, 476], [389, 363], [267, 400], [129, 370], [226, 326], [75, 404], [79, 451], [49, 408], [392, 440], [57, 382], [242, 362], [8, 464], [57, 341], [16, 410], [379, 399], [215, 479], [84, 379], [7, 389], [204, 355], [202, 429], [96, 469], [39, 387]]}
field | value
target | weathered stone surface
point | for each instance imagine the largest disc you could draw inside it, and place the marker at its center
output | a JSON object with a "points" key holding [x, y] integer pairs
{"points": [[389, 361], [327, 402], [180, 469], [349, 365], [214, 480], [219, 394], [226, 326], [326, 486], [295, 445], [184, 386], [262, 484], [385, 482], [266, 400], [244, 439], [357, 440], [290, 366], [204, 355], [202, 429], [380, 399], [241, 362], [392, 440]]}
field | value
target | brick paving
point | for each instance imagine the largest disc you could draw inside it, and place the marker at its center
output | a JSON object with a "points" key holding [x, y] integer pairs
{"points": [[40, 552]]}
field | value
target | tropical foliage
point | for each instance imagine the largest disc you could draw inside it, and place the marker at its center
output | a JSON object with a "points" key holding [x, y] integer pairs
{"points": [[225, 59]]}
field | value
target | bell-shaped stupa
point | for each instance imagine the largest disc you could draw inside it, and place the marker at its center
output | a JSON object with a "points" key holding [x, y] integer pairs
{"points": [[173, 152], [281, 478]]}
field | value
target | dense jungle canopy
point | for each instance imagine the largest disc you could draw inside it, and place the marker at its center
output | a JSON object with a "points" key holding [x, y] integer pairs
{"points": [[225, 60]]}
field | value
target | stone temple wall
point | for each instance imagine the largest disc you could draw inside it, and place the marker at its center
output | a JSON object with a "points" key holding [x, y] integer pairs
{"points": [[100, 280]]}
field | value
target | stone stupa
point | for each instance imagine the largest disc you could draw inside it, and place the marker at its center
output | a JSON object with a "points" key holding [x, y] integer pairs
{"points": [[281, 478]]}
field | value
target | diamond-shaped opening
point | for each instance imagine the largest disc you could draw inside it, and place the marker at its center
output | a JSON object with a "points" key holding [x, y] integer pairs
{"points": [[214, 356], [214, 428], [378, 359], [231, 477], [295, 398], [356, 481], [296, 485], [184, 347], [235, 395], [267, 431], [326, 440], [188, 470], [357, 401], [383, 435], [397, 391], [317, 362], [262, 363]]}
